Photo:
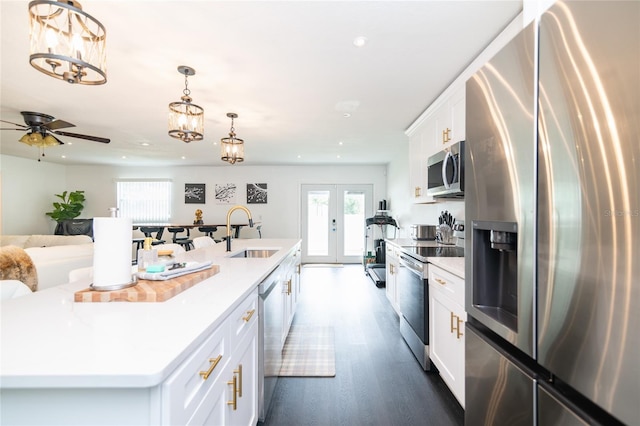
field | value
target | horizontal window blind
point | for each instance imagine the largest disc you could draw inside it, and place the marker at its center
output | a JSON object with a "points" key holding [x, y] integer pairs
{"points": [[145, 201]]}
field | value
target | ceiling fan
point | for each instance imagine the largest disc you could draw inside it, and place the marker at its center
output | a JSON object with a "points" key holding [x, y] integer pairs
{"points": [[42, 128]]}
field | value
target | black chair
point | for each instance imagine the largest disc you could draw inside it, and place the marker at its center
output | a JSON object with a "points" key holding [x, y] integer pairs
{"points": [[208, 231], [149, 231], [185, 242]]}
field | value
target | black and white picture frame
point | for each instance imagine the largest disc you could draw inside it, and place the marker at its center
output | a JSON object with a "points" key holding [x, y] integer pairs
{"points": [[256, 193], [194, 193], [225, 193]]}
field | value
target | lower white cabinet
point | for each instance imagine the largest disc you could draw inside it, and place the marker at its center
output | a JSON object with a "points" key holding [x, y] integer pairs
{"points": [[392, 267], [447, 319], [290, 290], [218, 384]]}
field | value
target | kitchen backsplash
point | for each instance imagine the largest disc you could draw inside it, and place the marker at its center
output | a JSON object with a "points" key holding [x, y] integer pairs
{"points": [[427, 214]]}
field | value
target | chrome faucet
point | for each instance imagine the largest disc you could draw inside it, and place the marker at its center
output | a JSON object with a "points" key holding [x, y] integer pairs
{"points": [[231, 210]]}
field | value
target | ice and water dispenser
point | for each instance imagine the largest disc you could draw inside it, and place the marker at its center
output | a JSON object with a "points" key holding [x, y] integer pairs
{"points": [[495, 271]]}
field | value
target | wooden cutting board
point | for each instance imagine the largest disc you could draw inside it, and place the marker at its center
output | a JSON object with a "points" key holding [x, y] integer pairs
{"points": [[147, 290]]}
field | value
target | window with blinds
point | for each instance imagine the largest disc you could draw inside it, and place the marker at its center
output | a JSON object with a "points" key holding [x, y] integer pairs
{"points": [[144, 201]]}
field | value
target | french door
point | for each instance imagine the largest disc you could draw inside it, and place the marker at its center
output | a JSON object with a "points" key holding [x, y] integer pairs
{"points": [[333, 222]]}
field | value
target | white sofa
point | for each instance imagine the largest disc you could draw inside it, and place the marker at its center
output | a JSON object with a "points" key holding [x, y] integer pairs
{"points": [[54, 256]]}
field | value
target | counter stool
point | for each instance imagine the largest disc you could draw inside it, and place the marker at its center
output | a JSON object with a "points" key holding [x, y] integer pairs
{"points": [[149, 231], [185, 242], [208, 231]]}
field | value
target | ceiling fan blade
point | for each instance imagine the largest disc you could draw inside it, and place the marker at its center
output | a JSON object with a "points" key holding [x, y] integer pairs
{"points": [[15, 124], [58, 124], [87, 137], [20, 130]]}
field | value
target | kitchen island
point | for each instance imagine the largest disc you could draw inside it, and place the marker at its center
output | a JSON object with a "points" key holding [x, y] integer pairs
{"points": [[64, 362]]}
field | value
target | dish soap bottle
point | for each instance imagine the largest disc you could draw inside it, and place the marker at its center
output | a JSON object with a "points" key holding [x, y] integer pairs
{"points": [[147, 255]]}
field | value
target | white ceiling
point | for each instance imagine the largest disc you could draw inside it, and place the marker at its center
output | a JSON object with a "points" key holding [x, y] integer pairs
{"points": [[289, 69]]}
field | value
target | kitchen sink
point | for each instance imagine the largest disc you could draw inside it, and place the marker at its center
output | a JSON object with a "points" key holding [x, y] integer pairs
{"points": [[255, 253]]}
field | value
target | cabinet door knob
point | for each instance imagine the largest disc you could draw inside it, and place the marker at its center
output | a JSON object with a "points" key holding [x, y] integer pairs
{"points": [[238, 371], [213, 363], [234, 400], [247, 317]]}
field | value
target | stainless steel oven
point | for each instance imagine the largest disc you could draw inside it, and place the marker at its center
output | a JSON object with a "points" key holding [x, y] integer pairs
{"points": [[413, 300]]}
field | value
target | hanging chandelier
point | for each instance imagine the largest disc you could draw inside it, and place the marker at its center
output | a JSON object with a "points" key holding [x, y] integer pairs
{"points": [[186, 120], [232, 148], [67, 43]]}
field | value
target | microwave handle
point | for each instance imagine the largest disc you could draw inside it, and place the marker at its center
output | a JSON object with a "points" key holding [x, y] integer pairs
{"points": [[445, 178]]}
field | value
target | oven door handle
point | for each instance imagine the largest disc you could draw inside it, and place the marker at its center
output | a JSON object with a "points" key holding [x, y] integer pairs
{"points": [[411, 264]]}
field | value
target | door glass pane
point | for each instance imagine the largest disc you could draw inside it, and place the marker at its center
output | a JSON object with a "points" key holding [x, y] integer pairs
{"points": [[318, 223], [354, 223]]}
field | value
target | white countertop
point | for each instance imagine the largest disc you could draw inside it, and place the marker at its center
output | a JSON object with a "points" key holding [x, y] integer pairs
{"points": [[48, 340], [455, 265]]}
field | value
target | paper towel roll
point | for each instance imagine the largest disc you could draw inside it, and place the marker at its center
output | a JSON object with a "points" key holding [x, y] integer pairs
{"points": [[111, 252]]}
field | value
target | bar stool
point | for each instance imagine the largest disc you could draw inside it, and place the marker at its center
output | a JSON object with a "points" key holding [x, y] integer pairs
{"points": [[186, 242], [208, 231], [149, 231]]}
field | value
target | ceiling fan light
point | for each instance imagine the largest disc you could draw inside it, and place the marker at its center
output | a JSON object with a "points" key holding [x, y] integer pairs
{"points": [[67, 43], [232, 148], [186, 120]]}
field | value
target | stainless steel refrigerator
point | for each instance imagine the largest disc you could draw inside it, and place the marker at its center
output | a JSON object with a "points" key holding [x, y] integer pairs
{"points": [[553, 203]]}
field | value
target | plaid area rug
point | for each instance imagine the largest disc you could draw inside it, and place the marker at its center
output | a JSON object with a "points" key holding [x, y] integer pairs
{"points": [[309, 352]]}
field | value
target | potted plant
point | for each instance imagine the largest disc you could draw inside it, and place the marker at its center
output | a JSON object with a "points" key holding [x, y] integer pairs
{"points": [[70, 208]]}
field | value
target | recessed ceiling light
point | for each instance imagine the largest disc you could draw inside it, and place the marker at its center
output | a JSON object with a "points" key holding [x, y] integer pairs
{"points": [[145, 144], [338, 156], [340, 143], [183, 157], [299, 156], [63, 156], [124, 157], [346, 115], [69, 143], [359, 41]]}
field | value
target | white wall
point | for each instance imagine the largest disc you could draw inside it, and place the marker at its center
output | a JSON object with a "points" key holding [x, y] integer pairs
{"points": [[28, 189], [280, 216]]}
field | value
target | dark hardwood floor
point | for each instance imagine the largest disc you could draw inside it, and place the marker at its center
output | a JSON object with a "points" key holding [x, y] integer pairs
{"points": [[378, 381]]}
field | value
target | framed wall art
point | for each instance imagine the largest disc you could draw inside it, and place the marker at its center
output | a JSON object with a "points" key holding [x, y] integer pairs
{"points": [[194, 193], [256, 193], [225, 193]]}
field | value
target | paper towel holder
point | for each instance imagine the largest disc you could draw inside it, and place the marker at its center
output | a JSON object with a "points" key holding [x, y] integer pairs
{"points": [[134, 281]]}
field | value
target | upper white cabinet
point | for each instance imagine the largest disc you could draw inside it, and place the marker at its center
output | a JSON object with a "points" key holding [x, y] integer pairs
{"points": [[449, 121], [443, 127], [418, 147]]}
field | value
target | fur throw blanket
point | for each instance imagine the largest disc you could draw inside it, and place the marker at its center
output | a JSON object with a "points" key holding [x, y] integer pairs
{"points": [[15, 264]]}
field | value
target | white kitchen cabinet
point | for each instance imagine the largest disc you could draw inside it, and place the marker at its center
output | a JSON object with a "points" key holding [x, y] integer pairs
{"points": [[392, 267], [418, 147], [447, 319], [217, 385], [450, 121], [290, 289]]}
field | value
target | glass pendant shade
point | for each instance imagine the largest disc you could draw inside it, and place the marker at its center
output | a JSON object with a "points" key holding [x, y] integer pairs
{"points": [[37, 139], [232, 148], [186, 120], [67, 43]]}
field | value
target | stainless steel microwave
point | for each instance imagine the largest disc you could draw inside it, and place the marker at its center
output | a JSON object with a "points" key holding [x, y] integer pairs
{"points": [[445, 172]]}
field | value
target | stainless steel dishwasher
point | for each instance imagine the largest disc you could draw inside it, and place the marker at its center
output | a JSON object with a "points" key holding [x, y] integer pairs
{"points": [[271, 326]]}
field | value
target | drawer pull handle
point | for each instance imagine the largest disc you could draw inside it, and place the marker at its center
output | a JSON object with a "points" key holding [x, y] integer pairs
{"points": [[239, 372], [456, 327], [247, 317], [214, 362], [439, 281], [234, 401]]}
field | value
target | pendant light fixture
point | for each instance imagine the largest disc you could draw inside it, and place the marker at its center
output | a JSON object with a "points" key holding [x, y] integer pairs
{"points": [[67, 43], [186, 120], [232, 148]]}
